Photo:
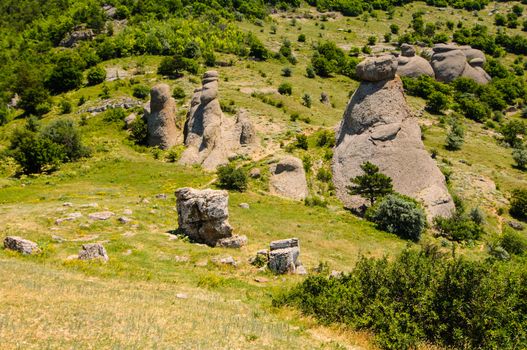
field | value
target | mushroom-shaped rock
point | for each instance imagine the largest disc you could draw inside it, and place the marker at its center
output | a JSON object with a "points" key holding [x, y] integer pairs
{"points": [[161, 122], [20, 245], [288, 179], [378, 127], [203, 216], [377, 68]]}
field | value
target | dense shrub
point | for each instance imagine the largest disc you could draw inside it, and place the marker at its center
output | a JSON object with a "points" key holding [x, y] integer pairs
{"points": [[139, 131], [63, 132], [519, 204], [422, 296], [285, 89], [437, 102], [232, 178], [459, 227], [520, 157], [511, 132], [301, 141], [399, 215], [141, 91], [96, 75], [325, 138], [456, 136], [514, 242]]}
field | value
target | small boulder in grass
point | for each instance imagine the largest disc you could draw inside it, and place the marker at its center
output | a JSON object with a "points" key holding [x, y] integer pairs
{"points": [[21, 245], [101, 216], [284, 257], [93, 251]]}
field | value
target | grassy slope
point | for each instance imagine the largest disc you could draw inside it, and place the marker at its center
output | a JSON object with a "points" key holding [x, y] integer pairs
{"points": [[131, 301]]}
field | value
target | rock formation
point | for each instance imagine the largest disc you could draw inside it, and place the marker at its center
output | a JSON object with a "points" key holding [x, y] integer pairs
{"points": [[288, 179], [378, 127], [283, 257], [20, 245], [93, 251], [160, 118], [203, 216], [450, 62], [211, 139], [410, 65]]}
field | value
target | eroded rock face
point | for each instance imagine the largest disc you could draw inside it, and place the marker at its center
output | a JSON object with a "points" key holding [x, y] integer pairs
{"points": [[203, 216], [20, 245], [161, 121], [210, 137], [93, 251], [284, 256], [377, 68], [378, 127], [288, 179], [450, 62], [410, 65]]}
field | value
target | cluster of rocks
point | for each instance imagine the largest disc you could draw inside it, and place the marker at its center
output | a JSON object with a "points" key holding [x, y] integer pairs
{"points": [[447, 63], [210, 138], [109, 104], [78, 34], [203, 217], [282, 257], [378, 127], [89, 251]]}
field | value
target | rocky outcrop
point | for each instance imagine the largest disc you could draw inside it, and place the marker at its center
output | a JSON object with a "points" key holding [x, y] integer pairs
{"points": [[284, 256], [378, 127], [210, 137], [377, 68], [92, 251], [78, 34], [410, 65], [20, 245], [203, 217], [450, 62], [288, 179], [160, 117]]}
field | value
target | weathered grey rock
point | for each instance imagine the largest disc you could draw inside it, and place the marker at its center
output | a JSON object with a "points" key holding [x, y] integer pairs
{"points": [[93, 251], [283, 256], [232, 242], [70, 217], [244, 206], [324, 98], [101, 216], [377, 68], [20, 245], [203, 215], [161, 196], [129, 120], [515, 225], [407, 50], [413, 67], [161, 121], [79, 34], [210, 137], [377, 126], [450, 62], [229, 260], [288, 179], [124, 220]]}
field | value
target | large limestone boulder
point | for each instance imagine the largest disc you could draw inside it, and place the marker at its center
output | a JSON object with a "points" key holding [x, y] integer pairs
{"points": [[377, 68], [378, 127], [450, 62], [210, 137], [20, 245], [288, 179], [160, 117], [410, 65], [284, 256], [203, 216]]}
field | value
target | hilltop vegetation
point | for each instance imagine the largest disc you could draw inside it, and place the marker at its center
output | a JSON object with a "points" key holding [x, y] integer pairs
{"points": [[71, 71]]}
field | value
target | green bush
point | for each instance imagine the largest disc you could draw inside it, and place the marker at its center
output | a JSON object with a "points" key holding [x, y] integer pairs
{"points": [[139, 132], [518, 207], [65, 107], [520, 157], [96, 75], [456, 136], [399, 215], [285, 89], [63, 132], [315, 201], [437, 102], [325, 138], [422, 297], [141, 91], [514, 242], [324, 175], [232, 178], [114, 115], [301, 141], [287, 72], [512, 130], [307, 101], [459, 227], [179, 93]]}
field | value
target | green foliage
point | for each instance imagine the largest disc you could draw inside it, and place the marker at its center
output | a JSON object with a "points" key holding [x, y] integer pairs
{"points": [[511, 132], [287, 72], [372, 184], [114, 115], [437, 102], [306, 100], [518, 202], [324, 175], [96, 75], [315, 201], [514, 242], [65, 106], [456, 136], [285, 89], [422, 296], [301, 141], [232, 178], [325, 138], [139, 132], [179, 93], [329, 59], [520, 157], [141, 91], [399, 215], [459, 227]]}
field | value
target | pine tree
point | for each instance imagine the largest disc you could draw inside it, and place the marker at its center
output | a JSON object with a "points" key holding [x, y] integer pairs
{"points": [[372, 184]]}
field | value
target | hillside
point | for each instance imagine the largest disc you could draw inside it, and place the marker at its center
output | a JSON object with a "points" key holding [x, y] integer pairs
{"points": [[158, 290]]}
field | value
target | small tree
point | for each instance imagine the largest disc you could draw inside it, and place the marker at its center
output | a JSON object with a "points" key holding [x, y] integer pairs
{"points": [[96, 75], [520, 157], [141, 91], [437, 102], [285, 89], [456, 136], [372, 184], [301, 141], [306, 100], [232, 178], [519, 204]]}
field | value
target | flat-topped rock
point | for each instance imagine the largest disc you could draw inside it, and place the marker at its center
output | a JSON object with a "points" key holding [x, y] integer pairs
{"points": [[377, 68], [284, 256]]}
